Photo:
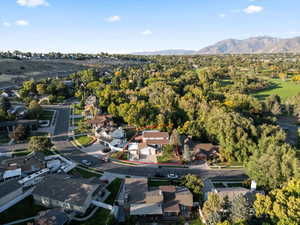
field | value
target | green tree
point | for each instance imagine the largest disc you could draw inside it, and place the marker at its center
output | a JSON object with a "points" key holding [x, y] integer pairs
{"points": [[39, 143], [282, 205], [34, 110], [273, 167], [4, 103], [240, 210], [194, 183]]}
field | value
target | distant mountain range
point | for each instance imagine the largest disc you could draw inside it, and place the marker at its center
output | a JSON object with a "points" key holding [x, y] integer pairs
{"points": [[167, 52], [251, 45]]}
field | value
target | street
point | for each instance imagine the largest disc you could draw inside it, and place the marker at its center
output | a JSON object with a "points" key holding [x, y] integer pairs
{"points": [[65, 148]]}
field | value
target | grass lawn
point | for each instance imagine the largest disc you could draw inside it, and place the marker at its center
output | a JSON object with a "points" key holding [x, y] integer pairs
{"points": [[77, 121], [284, 89], [196, 222], [24, 209], [77, 111], [83, 173], [47, 115], [4, 138], [156, 183], [84, 140], [239, 164]]}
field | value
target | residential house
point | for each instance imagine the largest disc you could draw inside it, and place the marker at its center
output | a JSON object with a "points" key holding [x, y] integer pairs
{"points": [[71, 194], [142, 152], [205, 151], [164, 201], [27, 164], [9, 190], [155, 138]]}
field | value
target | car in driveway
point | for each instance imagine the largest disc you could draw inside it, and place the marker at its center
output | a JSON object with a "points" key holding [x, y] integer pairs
{"points": [[86, 162], [172, 176]]}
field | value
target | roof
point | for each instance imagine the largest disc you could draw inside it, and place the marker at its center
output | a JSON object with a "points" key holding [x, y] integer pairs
{"points": [[154, 134], [146, 209], [184, 196], [231, 192], [154, 196], [167, 188], [136, 189], [171, 206], [8, 187], [206, 147], [100, 119], [51, 217], [157, 142], [65, 189], [26, 163]]}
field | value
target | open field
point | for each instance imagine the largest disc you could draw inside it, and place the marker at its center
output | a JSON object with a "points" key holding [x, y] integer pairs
{"points": [[13, 71], [284, 89]]}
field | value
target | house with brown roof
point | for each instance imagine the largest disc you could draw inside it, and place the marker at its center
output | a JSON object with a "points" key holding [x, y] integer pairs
{"points": [[164, 201], [27, 164], [205, 151], [155, 138]]}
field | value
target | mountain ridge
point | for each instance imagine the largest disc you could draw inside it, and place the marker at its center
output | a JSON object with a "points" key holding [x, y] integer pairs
{"points": [[251, 45]]}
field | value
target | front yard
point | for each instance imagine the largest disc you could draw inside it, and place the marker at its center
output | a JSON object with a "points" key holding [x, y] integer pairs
{"points": [[83, 173], [84, 140], [47, 115]]}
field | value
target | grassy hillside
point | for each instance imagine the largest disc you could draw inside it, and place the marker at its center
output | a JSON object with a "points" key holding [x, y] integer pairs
{"points": [[284, 89]]}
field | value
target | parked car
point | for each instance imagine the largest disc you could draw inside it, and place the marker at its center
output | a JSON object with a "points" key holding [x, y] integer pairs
{"points": [[86, 162], [172, 176]]}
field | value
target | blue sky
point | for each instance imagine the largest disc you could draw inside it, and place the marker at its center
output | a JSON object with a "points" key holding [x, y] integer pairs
{"points": [[123, 26]]}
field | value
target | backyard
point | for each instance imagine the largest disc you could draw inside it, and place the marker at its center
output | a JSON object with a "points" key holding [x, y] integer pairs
{"points": [[24, 209]]}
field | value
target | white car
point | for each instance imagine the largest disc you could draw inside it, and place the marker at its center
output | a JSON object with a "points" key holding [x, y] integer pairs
{"points": [[86, 162], [172, 176]]}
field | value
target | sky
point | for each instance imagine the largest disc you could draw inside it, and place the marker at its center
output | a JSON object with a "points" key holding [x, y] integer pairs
{"points": [[125, 26]]}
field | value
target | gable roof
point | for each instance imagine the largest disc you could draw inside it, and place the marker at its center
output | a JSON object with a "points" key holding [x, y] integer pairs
{"points": [[154, 134], [65, 189], [8, 187]]}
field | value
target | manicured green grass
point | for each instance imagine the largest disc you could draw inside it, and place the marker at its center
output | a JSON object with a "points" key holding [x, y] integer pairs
{"points": [[157, 183], [284, 89], [196, 222], [4, 138], [77, 121], [84, 140], [83, 173], [24, 209], [47, 115]]}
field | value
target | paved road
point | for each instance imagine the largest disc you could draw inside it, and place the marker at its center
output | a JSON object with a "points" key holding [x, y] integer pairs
{"points": [[60, 140]]}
